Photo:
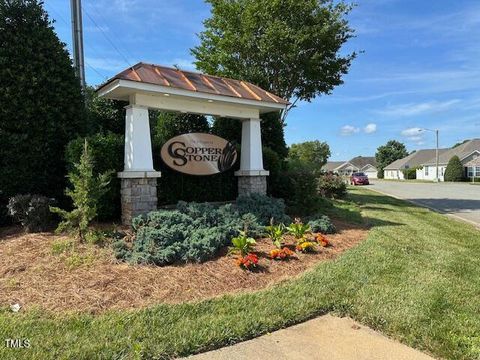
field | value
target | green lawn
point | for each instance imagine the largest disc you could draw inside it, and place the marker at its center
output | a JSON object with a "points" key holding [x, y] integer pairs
{"points": [[416, 278]]}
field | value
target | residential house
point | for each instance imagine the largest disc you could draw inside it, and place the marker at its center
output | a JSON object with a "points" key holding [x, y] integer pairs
{"points": [[414, 160], [366, 164], [468, 152]]}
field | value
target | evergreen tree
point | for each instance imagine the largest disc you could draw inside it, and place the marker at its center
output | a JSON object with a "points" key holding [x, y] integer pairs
{"points": [[454, 170], [85, 193], [41, 102]]}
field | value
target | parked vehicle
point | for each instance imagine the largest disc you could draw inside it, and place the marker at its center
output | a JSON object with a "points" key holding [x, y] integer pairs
{"points": [[359, 178]]}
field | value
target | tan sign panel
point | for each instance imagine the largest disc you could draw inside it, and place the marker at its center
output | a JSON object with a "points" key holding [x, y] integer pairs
{"points": [[199, 154]]}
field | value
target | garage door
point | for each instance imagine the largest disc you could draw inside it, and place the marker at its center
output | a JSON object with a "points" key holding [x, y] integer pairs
{"points": [[371, 174]]}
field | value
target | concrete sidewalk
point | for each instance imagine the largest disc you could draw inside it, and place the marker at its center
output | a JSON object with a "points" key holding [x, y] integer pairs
{"points": [[323, 338]]}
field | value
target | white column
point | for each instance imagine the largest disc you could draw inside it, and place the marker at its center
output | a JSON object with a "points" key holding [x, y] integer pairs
{"points": [[251, 158], [138, 160]]}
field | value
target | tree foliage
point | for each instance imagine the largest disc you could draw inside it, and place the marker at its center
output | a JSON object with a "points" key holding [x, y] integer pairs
{"points": [[170, 124], [86, 191], [312, 154], [272, 132], [41, 102], [388, 153], [454, 170], [104, 115], [289, 47]]}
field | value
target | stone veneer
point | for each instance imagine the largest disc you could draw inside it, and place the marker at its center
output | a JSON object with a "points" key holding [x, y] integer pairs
{"points": [[139, 196], [252, 184]]}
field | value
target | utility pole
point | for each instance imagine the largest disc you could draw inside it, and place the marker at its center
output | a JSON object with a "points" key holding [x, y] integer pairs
{"points": [[436, 156], [77, 35]]}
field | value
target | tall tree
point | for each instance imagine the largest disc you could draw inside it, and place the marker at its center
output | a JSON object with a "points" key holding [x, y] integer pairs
{"points": [[41, 101], [388, 153], [289, 47], [312, 154]]}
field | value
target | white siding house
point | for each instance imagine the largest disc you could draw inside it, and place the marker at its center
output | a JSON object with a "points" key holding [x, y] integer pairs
{"points": [[366, 164], [468, 153], [394, 171]]}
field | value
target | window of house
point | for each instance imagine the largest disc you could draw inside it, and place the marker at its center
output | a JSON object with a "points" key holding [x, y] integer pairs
{"points": [[426, 170], [470, 171], [477, 171]]}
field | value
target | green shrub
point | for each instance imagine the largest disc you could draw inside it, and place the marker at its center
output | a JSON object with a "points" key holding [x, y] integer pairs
{"points": [[193, 232], [264, 208], [410, 174], [42, 106], [454, 170], [301, 197], [85, 193], [32, 212], [108, 151], [331, 186], [323, 225]]}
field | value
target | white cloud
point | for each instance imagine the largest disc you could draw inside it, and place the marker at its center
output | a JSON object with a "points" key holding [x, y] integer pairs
{"points": [[412, 109], [370, 128], [411, 132], [349, 130], [414, 135]]}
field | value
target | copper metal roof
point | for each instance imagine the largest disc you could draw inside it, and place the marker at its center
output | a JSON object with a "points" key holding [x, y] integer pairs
{"points": [[192, 81]]}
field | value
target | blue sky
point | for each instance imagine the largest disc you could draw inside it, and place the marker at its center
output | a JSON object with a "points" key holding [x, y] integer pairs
{"points": [[419, 68]]}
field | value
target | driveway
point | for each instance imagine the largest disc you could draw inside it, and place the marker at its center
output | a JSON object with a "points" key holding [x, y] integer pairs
{"points": [[457, 200]]}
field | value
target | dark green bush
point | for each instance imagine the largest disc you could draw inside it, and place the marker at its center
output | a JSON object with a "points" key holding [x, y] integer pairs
{"points": [[331, 186], [42, 105], [410, 174], [108, 151], [264, 208], [32, 212], [454, 170], [323, 225], [301, 190], [193, 232]]}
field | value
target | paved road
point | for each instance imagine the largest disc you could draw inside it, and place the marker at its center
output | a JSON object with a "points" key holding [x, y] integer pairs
{"points": [[458, 200], [323, 338]]}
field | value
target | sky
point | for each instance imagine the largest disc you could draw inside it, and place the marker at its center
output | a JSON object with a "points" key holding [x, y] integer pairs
{"points": [[418, 67]]}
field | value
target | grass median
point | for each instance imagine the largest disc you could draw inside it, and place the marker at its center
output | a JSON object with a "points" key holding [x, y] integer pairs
{"points": [[416, 279]]}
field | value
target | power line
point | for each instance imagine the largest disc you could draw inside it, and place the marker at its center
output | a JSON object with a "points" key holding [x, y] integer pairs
{"points": [[103, 20], [108, 39], [59, 15]]}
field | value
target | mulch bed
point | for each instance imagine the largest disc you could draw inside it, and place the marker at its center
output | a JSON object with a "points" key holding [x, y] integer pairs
{"points": [[32, 276]]}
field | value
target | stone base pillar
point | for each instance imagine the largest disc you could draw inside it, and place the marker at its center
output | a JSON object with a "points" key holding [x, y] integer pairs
{"points": [[139, 194], [250, 182]]}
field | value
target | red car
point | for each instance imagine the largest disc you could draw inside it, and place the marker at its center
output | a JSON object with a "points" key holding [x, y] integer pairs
{"points": [[359, 178]]}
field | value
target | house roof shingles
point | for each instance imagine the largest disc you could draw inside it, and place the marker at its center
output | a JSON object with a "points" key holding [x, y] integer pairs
{"points": [[415, 159], [461, 151], [196, 82], [359, 162], [362, 161]]}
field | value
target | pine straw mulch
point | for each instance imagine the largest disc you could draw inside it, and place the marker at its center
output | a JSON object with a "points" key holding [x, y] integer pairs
{"points": [[91, 280]]}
